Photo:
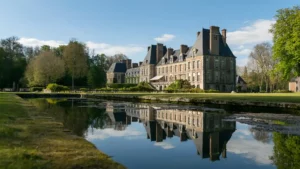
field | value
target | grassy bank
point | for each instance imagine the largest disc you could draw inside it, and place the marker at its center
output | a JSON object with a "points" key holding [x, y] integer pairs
{"points": [[32, 139]]}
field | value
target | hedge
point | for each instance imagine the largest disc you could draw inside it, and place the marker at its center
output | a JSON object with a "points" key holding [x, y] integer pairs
{"points": [[36, 89], [120, 85]]}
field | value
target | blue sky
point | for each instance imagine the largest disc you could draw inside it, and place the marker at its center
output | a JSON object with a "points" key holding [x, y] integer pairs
{"points": [[114, 26]]}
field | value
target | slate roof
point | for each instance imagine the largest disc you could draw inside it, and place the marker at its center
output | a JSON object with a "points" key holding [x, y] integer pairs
{"points": [[176, 55], [239, 79], [117, 67], [151, 55], [133, 71], [202, 46]]}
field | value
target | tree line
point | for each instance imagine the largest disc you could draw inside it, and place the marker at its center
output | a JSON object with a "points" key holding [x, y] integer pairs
{"points": [[74, 63], [271, 67]]}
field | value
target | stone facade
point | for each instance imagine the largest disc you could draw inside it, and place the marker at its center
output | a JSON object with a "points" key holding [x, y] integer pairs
{"points": [[208, 64], [294, 85]]}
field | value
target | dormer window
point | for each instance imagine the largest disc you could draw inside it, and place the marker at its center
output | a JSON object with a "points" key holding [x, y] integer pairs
{"points": [[163, 60]]}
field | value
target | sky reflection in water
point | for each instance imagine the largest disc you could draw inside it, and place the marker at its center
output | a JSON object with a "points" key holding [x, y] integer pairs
{"points": [[148, 136]]}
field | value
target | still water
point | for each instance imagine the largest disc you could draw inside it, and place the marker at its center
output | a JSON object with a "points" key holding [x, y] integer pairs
{"points": [[161, 136]]}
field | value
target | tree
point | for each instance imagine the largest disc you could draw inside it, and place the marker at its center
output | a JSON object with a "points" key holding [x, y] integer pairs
{"points": [[14, 62], [44, 69], [115, 58], [286, 40], [97, 74], [75, 56], [261, 57]]}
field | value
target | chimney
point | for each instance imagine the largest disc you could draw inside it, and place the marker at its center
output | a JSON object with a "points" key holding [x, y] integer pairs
{"points": [[148, 48], [128, 63], [214, 36], [134, 65], [198, 33], [224, 35], [169, 52], [159, 52], [183, 49]]}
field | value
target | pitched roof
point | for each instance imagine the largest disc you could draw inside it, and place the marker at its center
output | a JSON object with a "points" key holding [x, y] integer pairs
{"points": [[117, 67], [239, 79], [202, 45], [150, 58]]}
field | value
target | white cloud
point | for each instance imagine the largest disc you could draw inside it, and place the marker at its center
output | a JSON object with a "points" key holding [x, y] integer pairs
{"points": [[164, 145], [164, 38], [109, 132], [36, 42], [243, 40], [99, 48], [114, 49], [251, 149], [242, 52], [256, 32]]}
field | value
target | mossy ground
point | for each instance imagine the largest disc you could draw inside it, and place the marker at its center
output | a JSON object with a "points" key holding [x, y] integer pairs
{"points": [[32, 139]]}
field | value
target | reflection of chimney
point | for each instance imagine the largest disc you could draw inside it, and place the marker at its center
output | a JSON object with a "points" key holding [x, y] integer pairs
{"points": [[183, 137], [159, 133], [224, 152], [214, 146], [224, 36]]}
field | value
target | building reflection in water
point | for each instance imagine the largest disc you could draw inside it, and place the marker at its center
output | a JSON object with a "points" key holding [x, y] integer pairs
{"points": [[205, 128]]}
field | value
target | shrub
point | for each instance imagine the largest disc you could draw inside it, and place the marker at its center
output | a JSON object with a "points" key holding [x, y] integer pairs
{"points": [[57, 88], [282, 91], [84, 89], [36, 89], [120, 85], [211, 91]]}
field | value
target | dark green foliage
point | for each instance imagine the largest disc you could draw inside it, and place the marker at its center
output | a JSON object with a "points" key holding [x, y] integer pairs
{"points": [[179, 85], [12, 62], [57, 88], [286, 151], [36, 89], [96, 75], [286, 39]]}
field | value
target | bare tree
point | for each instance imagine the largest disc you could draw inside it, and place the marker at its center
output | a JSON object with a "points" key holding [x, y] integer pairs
{"points": [[261, 61]]}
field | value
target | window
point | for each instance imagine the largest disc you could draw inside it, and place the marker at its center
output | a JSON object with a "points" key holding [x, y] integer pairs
{"points": [[180, 68], [175, 68], [193, 64], [198, 64], [166, 69], [198, 77], [189, 65], [158, 70], [171, 69], [162, 70]]}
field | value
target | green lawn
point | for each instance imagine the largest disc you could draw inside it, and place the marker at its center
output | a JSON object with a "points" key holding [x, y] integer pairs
{"points": [[32, 139], [253, 97]]}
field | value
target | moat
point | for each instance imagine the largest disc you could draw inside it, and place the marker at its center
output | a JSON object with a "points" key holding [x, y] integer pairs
{"points": [[147, 136]]}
